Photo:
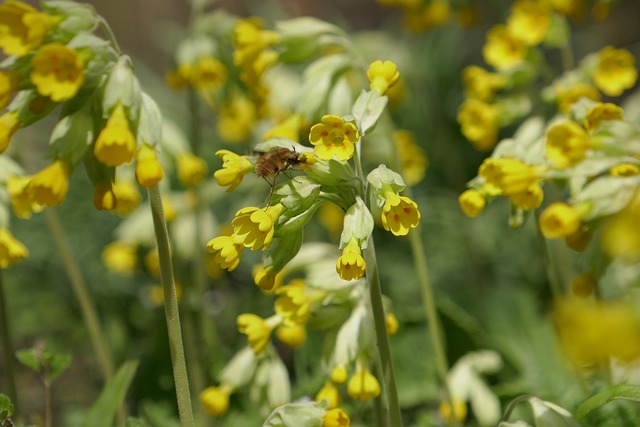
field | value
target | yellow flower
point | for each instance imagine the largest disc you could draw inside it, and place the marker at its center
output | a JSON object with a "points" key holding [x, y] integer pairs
{"points": [[256, 226], [392, 324], [8, 87], [579, 240], [57, 72], [624, 169], [529, 21], [479, 123], [531, 198], [502, 49], [472, 202], [331, 393], [511, 176], [479, 83], [382, 75], [621, 234], [293, 304], [22, 204], [215, 400], [104, 198], [9, 124], [339, 374], [568, 96], [336, 417], [234, 168], [49, 186], [412, 158], [399, 214], [571, 8], [363, 385], [333, 137], [22, 28], [583, 285], [292, 336], [120, 257], [207, 74], [602, 112], [236, 119], [127, 196], [11, 250], [227, 250], [179, 78], [459, 409], [250, 39], [289, 128], [116, 144], [266, 278], [351, 265], [191, 169], [148, 170], [559, 220], [616, 71], [257, 330], [567, 144]]}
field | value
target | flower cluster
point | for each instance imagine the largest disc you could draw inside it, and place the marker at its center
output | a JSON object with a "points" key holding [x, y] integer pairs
{"points": [[420, 16]]}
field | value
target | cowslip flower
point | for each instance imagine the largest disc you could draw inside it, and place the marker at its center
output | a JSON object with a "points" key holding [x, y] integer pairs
{"points": [[257, 330], [57, 72], [479, 123], [250, 39], [256, 226], [351, 265], [333, 138], [148, 170], [459, 410], [624, 169], [336, 417], [339, 374], [178, 78], [615, 72], [266, 278], [8, 87], [363, 385], [621, 234], [479, 83], [293, 336], [227, 250], [191, 169], [528, 199], [104, 198], [12, 251], [207, 74], [509, 175], [215, 400], [127, 196], [502, 49], [293, 304], [567, 96], [49, 186], [529, 21], [234, 168], [566, 144], [9, 124], [559, 220], [413, 159], [120, 257], [331, 394], [382, 75], [602, 112], [399, 214], [472, 202], [116, 144], [22, 27], [21, 203], [236, 119]]}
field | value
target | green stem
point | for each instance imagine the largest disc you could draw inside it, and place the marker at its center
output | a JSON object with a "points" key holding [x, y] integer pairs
{"points": [[7, 347], [171, 309], [48, 410], [102, 23]]}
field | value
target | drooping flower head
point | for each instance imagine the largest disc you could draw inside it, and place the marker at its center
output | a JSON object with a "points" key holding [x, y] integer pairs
{"points": [[127, 197], [234, 168], [57, 71], [116, 144], [331, 394], [333, 138], [257, 330], [509, 175], [567, 96], [9, 124], [363, 385], [22, 204], [502, 49], [227, 250], [8, 87], [293, 305], [399, 214], [602, 112], [351, 265], [215, 400], [11, 250], [104, 198], [472, 202], [567, 144], [256, 226], [336, 417], [479, 83], [49, 186], [293, 336], [529, 21], [616, 71], [382, 75], [149, 172], [559, 220], [22, 28]]}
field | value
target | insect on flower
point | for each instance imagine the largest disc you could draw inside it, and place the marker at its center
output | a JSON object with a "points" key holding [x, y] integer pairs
{"points": [[271, 163]]}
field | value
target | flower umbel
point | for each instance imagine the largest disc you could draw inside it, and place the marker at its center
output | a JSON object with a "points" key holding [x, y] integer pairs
{"points": [[57, 72], [333, 138]]}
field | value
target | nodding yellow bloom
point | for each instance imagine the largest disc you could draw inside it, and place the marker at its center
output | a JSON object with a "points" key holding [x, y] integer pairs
{"points": [[49, 186], [256, 226], [179, 78], [511, 176], [8, 87], [602, 112], [502, 49], [330, 392], [236, 119], [127, 196], [104, 198], [22, 28], [480, 84], [257, 330], [459, 409], [116, 144], [289, 128], [234, 168], [583, 285], [559, 220], [616, 71], [593, 331], [351, 265], [579, 240], [479, 123], [57, 72], [333, 138], [11, 250], [392, 324], [9, 124], [149, 172], [363, 385], [571, 8], [529, 21], [215, 400], [382, 75], [336, 417], [250, 40], [624, 169], [566, 97], [207, 74], [120, 257], [22, 204], [531, 198], [399, 214], [472, 202], [621, 234], [266, 278], [293, 305], [293, 336], [412, 158], [567, 144], [339, 374], [191, 169], [227, 250]]}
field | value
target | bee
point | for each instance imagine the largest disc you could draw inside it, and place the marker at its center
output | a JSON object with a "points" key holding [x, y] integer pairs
{"points": [[271, 163]]}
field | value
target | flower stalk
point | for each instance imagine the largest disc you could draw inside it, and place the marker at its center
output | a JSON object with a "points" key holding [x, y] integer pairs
{"points": [[8, 350]]}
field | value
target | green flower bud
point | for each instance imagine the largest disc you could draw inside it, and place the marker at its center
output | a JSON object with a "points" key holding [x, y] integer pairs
{"points": [[240, 369], [122, 88], [77, 17], [352, 337], [150, 125], [358, 222], [308, 414], [382, 180]]}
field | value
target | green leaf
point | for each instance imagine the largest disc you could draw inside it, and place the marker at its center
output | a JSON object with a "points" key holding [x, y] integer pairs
{"points": [[6, 407], [104, 409], [621, 391], [29, 357], [57, 364], [367, 110]]}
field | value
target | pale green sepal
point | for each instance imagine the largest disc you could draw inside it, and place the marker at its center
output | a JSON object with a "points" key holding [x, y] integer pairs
{"points": [[72, 135], [217, 24], [193, 48], [78, 16], [318, 80], [620, 391], [348, 343], [278, 385], [281, 142], [513, 108], [547, 414], [303, 38], [340, 98], [150, 125], [580, 108], [367, 110], [383, 179], [297, 194], [331, 172], [240, 369], [297, 414], [88, 41], [527, 143], [292, 222], [357, 223], [122, 88], [617, 137], [9, 167], [283, 249], [607, 195]]}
